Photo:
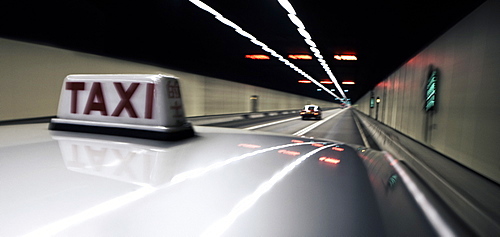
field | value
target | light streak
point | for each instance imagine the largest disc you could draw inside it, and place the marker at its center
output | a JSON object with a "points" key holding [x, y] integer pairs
{"points": [[430, 212], [292, 15], [201, 171], [105, 207], [264, 47], [117, 202], [220, 226]]}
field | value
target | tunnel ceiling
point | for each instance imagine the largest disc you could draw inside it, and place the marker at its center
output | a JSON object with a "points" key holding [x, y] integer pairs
{"points": [[177, 34]]}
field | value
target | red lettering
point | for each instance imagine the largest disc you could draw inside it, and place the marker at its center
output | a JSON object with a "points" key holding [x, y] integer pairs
{"points": [[96, 95], [173, 89], [149, 100], [178, 110], [74, 87], [125, 99]]}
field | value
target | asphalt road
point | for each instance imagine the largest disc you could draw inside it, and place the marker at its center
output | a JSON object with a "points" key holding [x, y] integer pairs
{"points": [[337, 124]]}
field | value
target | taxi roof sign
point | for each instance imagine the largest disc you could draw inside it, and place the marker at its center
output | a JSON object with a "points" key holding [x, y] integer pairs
{"points": [[134, 105]]}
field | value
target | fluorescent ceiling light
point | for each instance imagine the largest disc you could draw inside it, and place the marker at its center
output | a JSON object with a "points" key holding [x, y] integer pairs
{"points": [[257, 56], [288, 7], [238, 29], [345, 57], [308, 39], [310, 42], [296, 21], [304, 33], [300, 56]]}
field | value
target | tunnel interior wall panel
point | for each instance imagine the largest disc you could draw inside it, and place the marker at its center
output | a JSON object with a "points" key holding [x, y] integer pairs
{"points": [[31, 77], [465, 122]]}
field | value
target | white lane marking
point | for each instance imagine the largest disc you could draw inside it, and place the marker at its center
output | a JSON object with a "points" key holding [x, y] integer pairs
{"points": [[221, 225], [314, 125], [361, 132], [269, 124]]}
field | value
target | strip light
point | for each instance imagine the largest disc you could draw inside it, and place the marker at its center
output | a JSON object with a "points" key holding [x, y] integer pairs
{"points": [[307, 38], [300, 56], [264, 47], [345, 57], [257, 56]]}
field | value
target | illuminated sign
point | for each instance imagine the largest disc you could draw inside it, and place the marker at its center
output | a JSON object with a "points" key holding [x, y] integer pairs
{"points": [[393, 180], [257, 56], [430, 91], [326, 82], [130, 99], [135, 105], [348, 83]]}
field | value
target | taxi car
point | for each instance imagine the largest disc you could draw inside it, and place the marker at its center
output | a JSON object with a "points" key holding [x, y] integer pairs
{"points": [[120, 159], [311, 111]]}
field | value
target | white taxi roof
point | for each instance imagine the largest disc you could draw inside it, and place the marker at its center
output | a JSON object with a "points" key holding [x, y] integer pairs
{"points": [[221, 182]]}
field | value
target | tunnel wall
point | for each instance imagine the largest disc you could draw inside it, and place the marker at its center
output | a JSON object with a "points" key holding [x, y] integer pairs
{"points": [[31, 77], [465, 122]]}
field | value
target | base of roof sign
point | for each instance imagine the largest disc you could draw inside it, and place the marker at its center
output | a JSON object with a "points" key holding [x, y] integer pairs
{"points": [[138, 131]]}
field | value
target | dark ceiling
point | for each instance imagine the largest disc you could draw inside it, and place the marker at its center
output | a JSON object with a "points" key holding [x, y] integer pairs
{"points": [[177, 34]]}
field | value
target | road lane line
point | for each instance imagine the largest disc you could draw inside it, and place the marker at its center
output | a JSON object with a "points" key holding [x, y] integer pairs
{"points": [[269, 124], [314, 125], [361, 132]]}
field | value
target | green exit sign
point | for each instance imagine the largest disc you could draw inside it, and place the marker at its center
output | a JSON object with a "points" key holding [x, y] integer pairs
{"points": [[430, 92]]}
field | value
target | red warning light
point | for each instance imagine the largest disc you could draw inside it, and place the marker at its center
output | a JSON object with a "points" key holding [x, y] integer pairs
{"points": [[300, 56], [257, 56], [297, 141], [317, 144], [326, 82], [337, 148], [305, 81], [329, 160]]}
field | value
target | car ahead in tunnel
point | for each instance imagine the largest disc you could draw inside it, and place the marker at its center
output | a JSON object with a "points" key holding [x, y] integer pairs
{"points": [[98, 169], [311, 111]]}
